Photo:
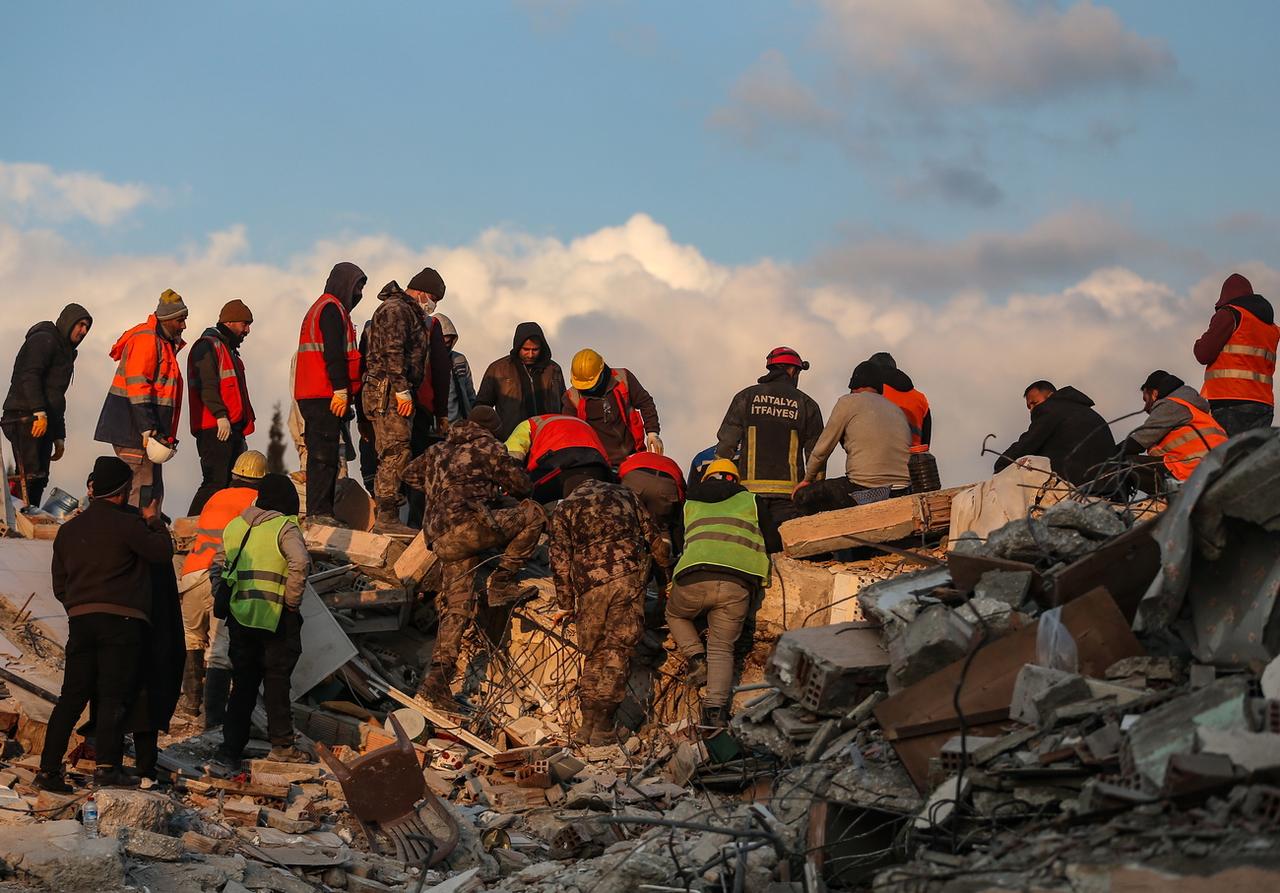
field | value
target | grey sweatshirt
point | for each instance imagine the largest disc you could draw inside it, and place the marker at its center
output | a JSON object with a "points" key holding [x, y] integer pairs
{"points": [[875, 437], [292, 546], [1166, 415]]}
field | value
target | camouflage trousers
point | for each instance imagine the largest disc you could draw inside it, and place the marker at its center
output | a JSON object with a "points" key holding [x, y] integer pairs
{"points": [[610, 623], [514, 530], [391, 437]]}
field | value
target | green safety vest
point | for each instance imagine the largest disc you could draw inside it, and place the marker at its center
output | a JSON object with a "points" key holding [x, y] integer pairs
{"points": [[258, 581], [724, 534]]}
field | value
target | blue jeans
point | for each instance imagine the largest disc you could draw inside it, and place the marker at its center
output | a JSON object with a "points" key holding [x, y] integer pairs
{"points": [[1245, 415]]}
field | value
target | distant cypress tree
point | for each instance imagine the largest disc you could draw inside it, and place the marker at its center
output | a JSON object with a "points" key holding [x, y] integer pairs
{"points": [[275, 442]]}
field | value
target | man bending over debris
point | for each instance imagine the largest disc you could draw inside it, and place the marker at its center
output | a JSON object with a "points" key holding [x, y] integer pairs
{"points": [[1178, 432], [602, 539], [263, 558], [471, 484]]}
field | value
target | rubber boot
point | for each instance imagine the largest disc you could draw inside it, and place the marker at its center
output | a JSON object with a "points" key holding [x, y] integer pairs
{"points": [[605, 732], [435, 689], [217, 688], [387, 520], [590, 722], [192, 684]]}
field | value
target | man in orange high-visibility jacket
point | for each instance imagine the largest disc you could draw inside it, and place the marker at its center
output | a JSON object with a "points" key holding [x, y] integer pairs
{"points": [[1178, 433], [1238, 351], [221, 414], [145, 399], [326, 381]]}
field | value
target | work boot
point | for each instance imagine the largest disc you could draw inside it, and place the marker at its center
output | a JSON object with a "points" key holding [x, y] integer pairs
{"points": [[113, 777], [227, 759], [387, 520], [217, 688], [435, 689], [287, 753], [695, 671], [605, 731], [713, 720], [504, 590], [53, 782], [192, 684], [591, 715]]}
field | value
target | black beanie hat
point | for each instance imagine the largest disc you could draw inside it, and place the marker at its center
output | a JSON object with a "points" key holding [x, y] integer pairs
{"points": [[429, 281], [885, 359], [486, 417], [1163, 383], [110, 476], [277, 493], [867, 375]]}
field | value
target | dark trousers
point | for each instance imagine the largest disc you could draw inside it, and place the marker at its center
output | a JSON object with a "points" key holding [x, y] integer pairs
{"points": [[1236, 416], [31, 455], [216, 460], [101, 665], [773, 510], [837, 493], [323, 438], [421, 436], [266, 659]]}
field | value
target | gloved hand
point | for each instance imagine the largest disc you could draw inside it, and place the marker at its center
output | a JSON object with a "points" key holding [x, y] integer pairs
{"points": [[442, 424], [654, 443], [40, 425], [224, 428], [338, 404], [404, 404], [59, 450]]}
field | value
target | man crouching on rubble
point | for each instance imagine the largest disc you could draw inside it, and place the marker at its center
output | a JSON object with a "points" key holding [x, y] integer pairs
{"points": [[602, 539], [472, 486], [263, 559]]}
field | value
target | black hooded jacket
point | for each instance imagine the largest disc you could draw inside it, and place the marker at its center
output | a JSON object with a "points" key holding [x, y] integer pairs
{"points": [[518, 392], [346, 283], [1070, 433], [42, 371]]}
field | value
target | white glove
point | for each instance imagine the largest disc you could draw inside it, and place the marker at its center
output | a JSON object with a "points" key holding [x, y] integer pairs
{"points": [[224, 428], [59, 450], [654, 442]]}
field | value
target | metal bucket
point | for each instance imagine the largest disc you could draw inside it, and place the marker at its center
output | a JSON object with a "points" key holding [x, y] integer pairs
{"points": [[60, 503]]}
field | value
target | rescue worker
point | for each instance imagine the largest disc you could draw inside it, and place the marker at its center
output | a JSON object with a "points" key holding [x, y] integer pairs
{"points": [[1178, 433], [35, 409], [553, 446], [395, 363], [1238, 351], [263, 559], [221, 414], [877, 444], [770, 429], [102, 562], [723, 564], [525, 383], [901, 391], [325, 381], [659, 482], [603, 543], [1065, 429], [431, 420], [207, 678], [140, 416], [462, 389], [476, 497], [614, 403]]}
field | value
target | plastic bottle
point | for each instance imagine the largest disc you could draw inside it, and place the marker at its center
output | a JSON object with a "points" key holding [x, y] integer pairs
{"points": [[89, 816]]}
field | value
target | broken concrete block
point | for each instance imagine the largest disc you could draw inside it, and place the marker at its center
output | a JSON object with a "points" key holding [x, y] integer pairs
{"points": [[996, 616], [1097, 520], [148, 845], [1039, 691], [1254, 751], [1104, 742], [1156, 669], [937, 637], [272, 772], [241, 812], [415, 563], [1156, 736], [1010, 587], [941, 805], [143, 810], [61, 856], [565, 766], [370, 551], [827, 669]]}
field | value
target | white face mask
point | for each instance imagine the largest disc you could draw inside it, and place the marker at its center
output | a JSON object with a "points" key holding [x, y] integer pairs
{"points": [[429, 306]]}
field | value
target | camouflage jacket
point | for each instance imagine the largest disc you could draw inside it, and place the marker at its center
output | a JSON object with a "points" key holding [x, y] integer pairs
{"points": [[396, 353], [464, 476], [599, 533]]}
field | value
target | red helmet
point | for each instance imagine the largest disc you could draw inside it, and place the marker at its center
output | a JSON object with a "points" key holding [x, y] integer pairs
{"points": [[785, 356]]}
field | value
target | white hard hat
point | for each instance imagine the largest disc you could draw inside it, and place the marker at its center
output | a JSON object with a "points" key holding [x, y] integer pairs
{"points": [[158, 451]]}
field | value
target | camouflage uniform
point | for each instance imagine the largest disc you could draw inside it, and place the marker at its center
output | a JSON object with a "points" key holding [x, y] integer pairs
{"points": [[395, 361], [602, 540], [469, 481]]}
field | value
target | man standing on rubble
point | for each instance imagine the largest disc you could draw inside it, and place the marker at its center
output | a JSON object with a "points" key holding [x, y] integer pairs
{"points": [[140, 416], [1066, 430], [263, 559], [614, 403], [476, 502], [1238, 351], [602, 540], [724, 562], [35, 409], [462, 389], [552, 448], [208, 671], [326, 379], [102, 562], [877, 443], [1178, 433], [525, 383], [221, 414], [771, 429]]}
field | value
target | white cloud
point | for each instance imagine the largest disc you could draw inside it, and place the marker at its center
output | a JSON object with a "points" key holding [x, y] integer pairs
{"points": [[693, 331], [37, 191]]}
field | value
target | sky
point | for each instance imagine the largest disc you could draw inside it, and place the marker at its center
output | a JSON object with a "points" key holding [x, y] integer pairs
{"points": [[994, 191]]}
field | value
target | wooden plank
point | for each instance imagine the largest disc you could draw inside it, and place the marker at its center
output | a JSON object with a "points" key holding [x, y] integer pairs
{"points": [[879, 522], [1102, 637], [368, 550], [416, 563], [365, 598], [441, 720]]}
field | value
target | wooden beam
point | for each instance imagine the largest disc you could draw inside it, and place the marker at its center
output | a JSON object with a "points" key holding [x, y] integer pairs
{"points": [[367, 598], [879, 522]]}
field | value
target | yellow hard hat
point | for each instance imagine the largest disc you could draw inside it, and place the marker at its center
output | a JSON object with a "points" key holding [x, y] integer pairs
{"points": [[251, 464], [721, 466], [586, 369]]}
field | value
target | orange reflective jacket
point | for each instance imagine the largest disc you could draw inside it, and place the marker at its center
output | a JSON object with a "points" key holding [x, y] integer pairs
{"points": [[148, 380], [311, 378], [231, 386], [1184, 447], [217, 514], [915, 406], [1245, 367]]}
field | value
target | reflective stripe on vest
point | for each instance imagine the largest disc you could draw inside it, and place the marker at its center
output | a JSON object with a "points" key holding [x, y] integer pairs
{"points": [[230, 377], [311, 377], [1246, 366], [146, 380], [1184, 447], [622, 395], [258, 582], [915, 406], [724, 534], [214, 518], [766, 486]]}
